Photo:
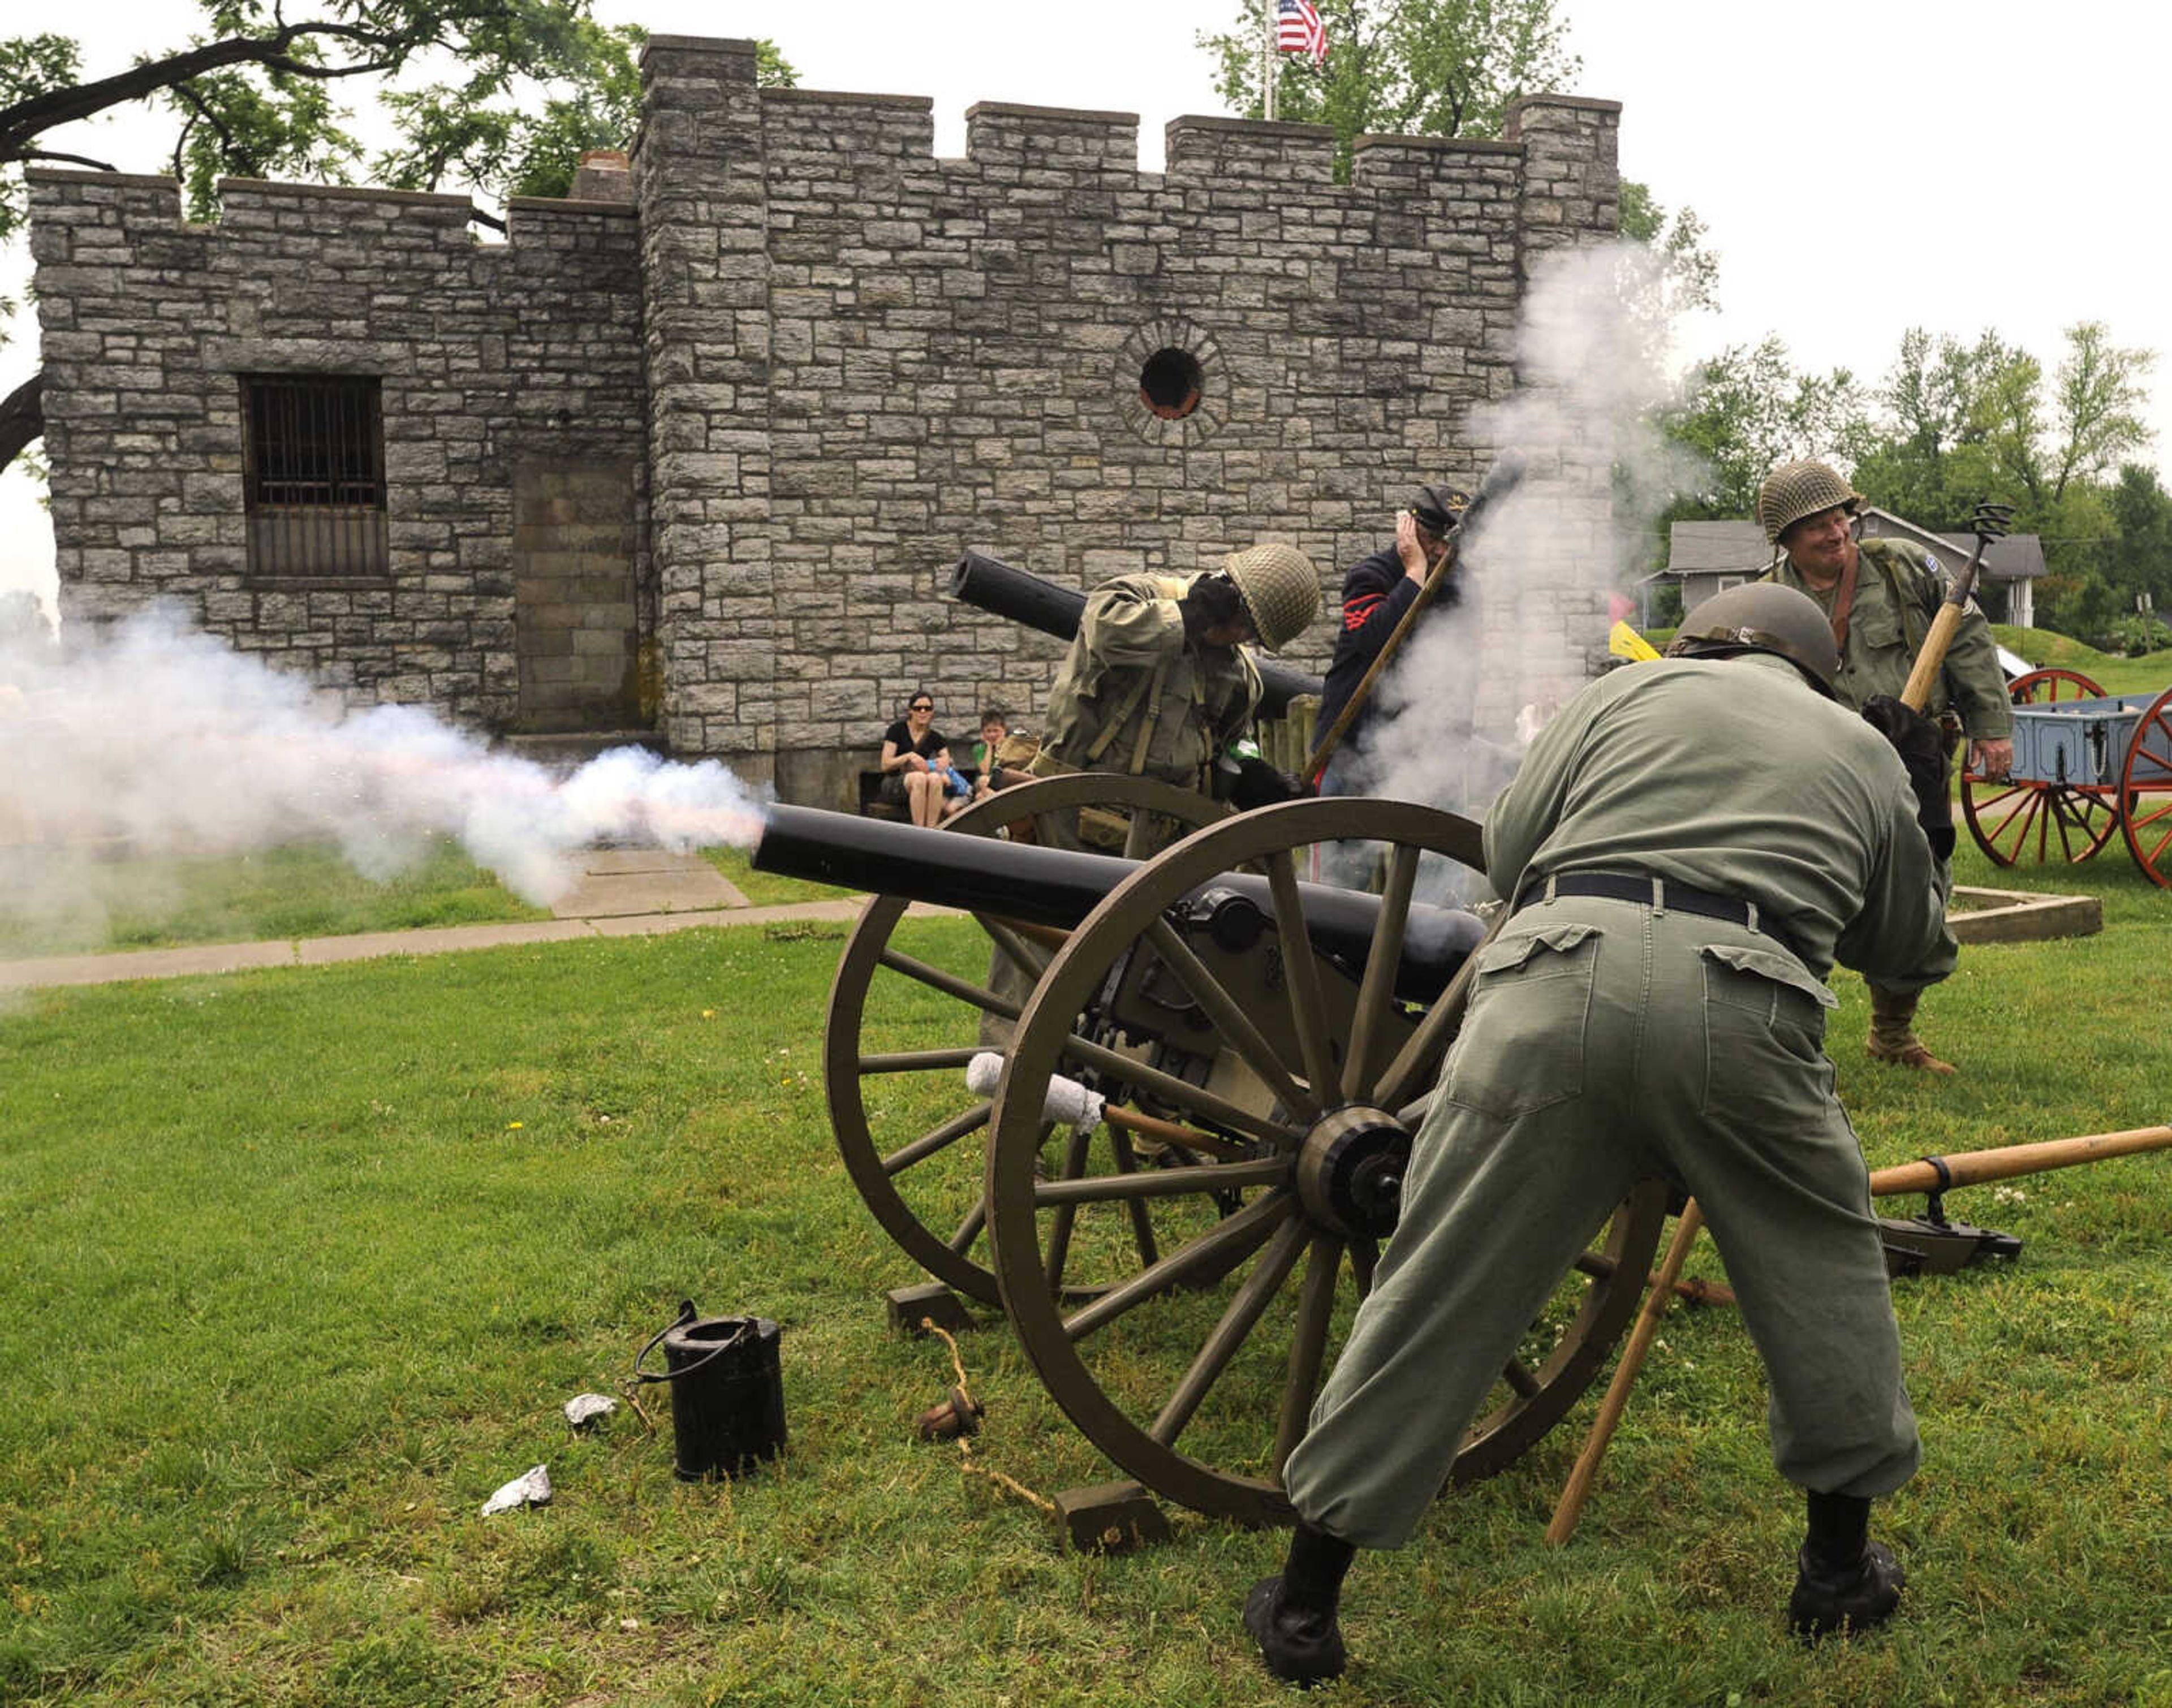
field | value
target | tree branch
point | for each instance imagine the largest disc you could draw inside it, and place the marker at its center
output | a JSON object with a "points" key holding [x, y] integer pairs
{"points": [[24, 121], [22, 417], [72, 159]]}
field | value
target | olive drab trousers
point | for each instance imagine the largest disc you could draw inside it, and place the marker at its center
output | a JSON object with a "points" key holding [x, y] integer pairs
{"points": [[1608, 1042]]}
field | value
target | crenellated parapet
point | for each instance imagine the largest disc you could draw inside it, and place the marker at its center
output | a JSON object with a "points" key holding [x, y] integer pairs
{"points": [[813, 361]]}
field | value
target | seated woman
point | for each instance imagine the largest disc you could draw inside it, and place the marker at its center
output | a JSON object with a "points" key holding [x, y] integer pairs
{"points": [[915, 765]]}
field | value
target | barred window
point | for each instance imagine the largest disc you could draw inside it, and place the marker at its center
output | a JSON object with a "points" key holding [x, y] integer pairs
{"points": [[314, 450]]}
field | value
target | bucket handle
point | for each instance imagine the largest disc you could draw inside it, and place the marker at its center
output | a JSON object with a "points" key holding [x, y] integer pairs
{"points": [[687, 1313]]}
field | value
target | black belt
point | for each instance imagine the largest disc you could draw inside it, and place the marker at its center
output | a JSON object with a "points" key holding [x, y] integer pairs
{"points": [[1658, 892]]}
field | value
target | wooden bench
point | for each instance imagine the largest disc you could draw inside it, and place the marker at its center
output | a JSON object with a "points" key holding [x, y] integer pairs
{"points": [[873, 805]]}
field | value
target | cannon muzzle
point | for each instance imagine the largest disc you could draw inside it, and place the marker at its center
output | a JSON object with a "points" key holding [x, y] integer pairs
{"points": [[1058, 887], [990, 584]]}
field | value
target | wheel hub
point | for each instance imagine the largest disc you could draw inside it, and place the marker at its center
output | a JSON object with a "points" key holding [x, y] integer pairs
{"points": [[1350, 1172]]}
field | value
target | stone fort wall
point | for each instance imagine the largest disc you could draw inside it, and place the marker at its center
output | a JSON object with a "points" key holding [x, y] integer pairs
{"points": [[825, 362], [511, 384]]}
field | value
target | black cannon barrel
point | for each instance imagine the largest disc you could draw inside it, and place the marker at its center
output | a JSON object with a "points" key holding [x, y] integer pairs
{"points": [[1041, 886], [990, 584], [1059, 888]]}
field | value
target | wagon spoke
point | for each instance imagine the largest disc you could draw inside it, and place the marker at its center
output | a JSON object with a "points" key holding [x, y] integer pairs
{"points": [[1201, 1106], [1128, 1186], [1315, 1307], [1058, 1252], [1382, 960], [1301, 976], [949, 984], [1228, 1243], [1229, 1335], [969, 1230], [1228, 1013], [939, 1138]]}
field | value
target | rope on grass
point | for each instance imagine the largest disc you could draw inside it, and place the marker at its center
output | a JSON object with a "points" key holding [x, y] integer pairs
{"points": [[966, 1462], [957, 1358]]}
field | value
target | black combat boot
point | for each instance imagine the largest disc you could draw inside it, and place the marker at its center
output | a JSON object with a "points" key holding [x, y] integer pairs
{"points": [[1844, 1581], [1292, 1617]]}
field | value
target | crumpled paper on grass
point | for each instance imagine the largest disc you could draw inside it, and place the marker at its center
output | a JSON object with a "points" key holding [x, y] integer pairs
{"points": [[531, 1489], [582, 1410]]}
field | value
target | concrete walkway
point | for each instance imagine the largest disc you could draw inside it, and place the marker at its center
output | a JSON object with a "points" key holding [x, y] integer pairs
{"points": [[638, 892], [620, 893]]}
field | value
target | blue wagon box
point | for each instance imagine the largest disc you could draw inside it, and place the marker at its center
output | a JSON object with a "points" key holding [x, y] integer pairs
{"points": [[2083, 742]]}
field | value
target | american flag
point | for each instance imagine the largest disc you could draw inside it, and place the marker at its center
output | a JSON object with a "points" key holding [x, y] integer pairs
{"points": [[1297, 29]]}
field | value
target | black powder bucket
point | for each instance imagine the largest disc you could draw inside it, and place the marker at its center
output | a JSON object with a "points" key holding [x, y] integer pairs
{"points": [[727, 1392]]}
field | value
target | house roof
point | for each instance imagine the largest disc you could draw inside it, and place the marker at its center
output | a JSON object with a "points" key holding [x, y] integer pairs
{"points": [[1739, 548]]}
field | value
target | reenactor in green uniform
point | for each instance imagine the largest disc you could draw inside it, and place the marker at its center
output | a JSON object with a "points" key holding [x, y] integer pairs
{"points": [[1157, 683], [1686, 850], [1880, 596]]}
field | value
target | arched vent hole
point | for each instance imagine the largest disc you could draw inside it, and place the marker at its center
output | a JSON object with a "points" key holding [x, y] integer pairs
{"points": [[1170, 384]]}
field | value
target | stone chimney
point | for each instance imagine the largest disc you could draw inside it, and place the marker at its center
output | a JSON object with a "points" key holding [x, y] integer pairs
{"points": [[605, 174]]}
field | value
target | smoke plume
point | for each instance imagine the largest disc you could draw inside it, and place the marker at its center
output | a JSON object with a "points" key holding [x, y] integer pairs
{"points": [[1544, 566], [158, 740]]}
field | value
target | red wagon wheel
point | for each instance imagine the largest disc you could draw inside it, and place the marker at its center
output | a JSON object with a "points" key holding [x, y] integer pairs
{"points": [[2046, 819], [2145, 791]]}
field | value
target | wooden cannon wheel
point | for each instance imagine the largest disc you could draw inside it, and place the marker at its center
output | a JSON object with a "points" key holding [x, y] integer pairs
{"points": [[1197, 1372], [2145, 791], [2014, 817], [902, 1030]]}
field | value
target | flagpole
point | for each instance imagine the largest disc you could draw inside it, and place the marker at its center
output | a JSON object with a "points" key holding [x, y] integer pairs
{"points": [[1267, 56]]}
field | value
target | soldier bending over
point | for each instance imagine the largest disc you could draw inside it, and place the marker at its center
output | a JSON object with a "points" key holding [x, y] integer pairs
{"points": [[1687, 849]]}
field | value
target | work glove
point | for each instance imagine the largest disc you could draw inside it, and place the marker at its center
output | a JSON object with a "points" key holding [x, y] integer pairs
{"points": [[1210, 601], [1258, 784], [1922, 745]]}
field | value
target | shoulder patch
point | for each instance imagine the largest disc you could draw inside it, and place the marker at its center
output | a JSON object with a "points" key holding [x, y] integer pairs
{"points": [[1931, 563]]}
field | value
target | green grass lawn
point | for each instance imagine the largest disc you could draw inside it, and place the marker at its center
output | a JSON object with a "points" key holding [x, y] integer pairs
{"points": [[137, 902], [2151, 673], [300, 1265], [280, 895], [766, 888]]}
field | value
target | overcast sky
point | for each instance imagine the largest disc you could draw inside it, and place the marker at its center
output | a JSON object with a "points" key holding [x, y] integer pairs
{"points": [[1862, 167]]}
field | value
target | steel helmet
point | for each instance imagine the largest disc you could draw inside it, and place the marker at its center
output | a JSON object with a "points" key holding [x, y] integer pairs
{"points": [[1762, 616], [1280, 589], [1798, 489]]}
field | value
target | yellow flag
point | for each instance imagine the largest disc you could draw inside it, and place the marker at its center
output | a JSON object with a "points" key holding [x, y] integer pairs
{"points": [[1625, 642]]}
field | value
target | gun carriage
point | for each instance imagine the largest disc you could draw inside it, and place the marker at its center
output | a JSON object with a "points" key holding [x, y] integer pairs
{"points": [[2086, 764], [1179, 1270]]}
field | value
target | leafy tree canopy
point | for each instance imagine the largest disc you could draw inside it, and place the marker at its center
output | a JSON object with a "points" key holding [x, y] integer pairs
{"points": [[1406, 68], [1749, 408]]}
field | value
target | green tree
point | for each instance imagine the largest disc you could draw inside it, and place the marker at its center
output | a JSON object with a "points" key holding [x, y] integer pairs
{"points": [[1750, 407], [2140, 553], [1967, 423], [253, 94], [1688, 269], [2097, 404], [1405, 67], [1948, 409]]}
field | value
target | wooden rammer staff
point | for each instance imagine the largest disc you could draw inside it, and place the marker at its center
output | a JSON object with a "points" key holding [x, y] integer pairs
{"points": [[1931, 1174]]}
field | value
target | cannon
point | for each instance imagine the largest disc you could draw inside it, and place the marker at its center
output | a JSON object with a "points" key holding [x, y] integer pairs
{"points": [[1003, 590], [1179, 1272]]}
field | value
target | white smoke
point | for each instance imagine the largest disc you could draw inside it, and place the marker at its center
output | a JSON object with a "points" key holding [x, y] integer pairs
{"points": [[1593, 363], [158, 740]]}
